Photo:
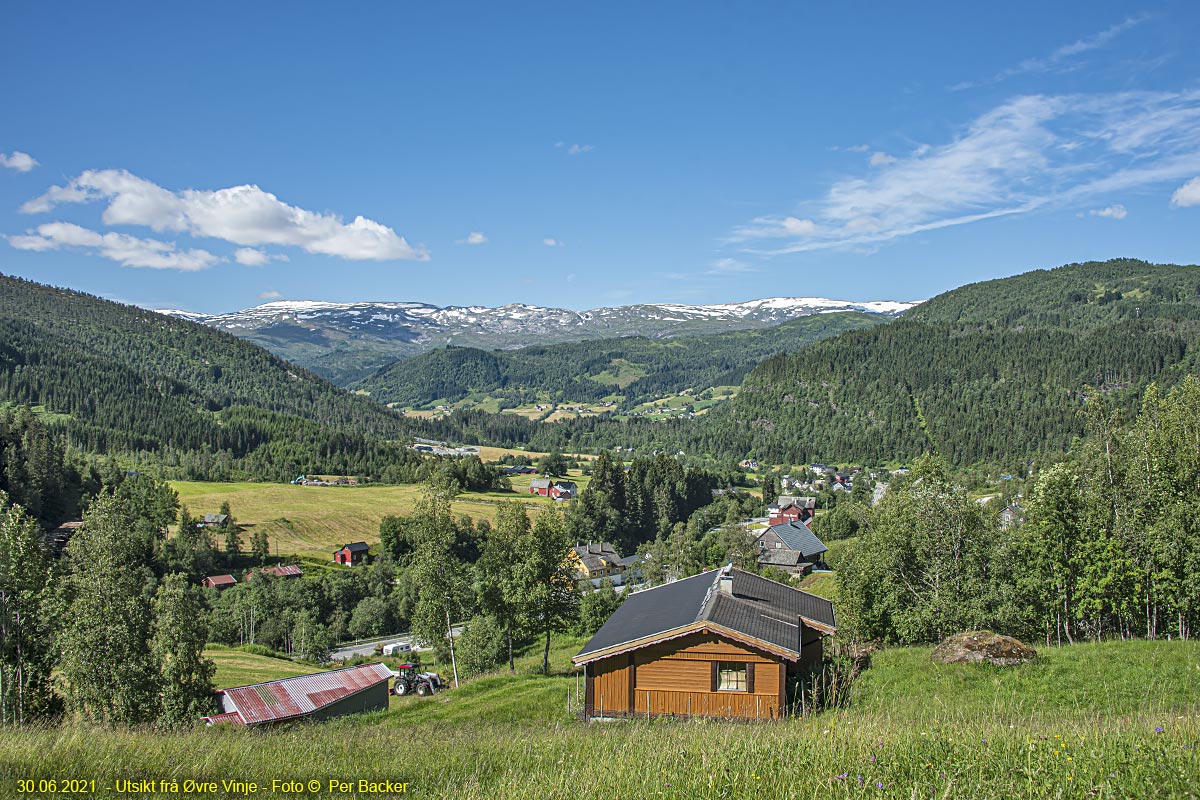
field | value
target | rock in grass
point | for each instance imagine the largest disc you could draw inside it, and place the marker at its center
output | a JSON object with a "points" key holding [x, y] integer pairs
{"points": [[973, 647]]}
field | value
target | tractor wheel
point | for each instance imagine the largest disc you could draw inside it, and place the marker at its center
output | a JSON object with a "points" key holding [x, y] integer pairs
{"points": [[422, 689], [401, 689]]}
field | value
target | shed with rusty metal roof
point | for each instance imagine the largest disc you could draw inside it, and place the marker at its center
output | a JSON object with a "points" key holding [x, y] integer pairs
{"points": [[321, 695]]}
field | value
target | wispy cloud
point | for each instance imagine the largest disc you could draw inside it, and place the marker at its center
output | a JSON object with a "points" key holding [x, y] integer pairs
{"points": [[128, 251], [1187, 195], [1060, 57], [242, 215], [879, 158], [270, 295], [551, 242], [1028, 153], [574, 149], [1116, 211], [474, 237], [21, 162], [256, 258]]}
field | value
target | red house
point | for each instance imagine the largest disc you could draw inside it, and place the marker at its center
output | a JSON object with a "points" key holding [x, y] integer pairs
{"points": [[540, 486], [791, 509], [352, 554], [219, 581]]}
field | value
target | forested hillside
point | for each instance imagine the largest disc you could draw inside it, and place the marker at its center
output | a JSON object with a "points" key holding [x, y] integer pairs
{"points": [[117, 379], [994, 372], [636, 368]]}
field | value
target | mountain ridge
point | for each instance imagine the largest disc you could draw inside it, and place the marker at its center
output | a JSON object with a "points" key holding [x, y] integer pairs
{"points": [[346, 342]]}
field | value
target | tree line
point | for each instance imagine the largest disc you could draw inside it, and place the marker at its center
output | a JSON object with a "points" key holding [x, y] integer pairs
{"points": [[1109, 545]]}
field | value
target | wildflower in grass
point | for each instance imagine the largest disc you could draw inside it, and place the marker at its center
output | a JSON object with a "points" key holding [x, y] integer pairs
{"points": [[1158, 730]]}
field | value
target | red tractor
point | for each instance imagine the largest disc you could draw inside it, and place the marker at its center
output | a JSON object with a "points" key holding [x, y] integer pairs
{"points": [[409, 681]]}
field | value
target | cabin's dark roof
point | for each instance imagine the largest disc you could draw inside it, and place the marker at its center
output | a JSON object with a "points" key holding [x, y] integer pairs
{"points": [[797, 536], [357, 547], [756, 607]]}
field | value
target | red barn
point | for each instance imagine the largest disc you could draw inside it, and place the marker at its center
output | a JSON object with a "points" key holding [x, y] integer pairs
{"points": [[540, 486], [219, 581], [352, 554]]}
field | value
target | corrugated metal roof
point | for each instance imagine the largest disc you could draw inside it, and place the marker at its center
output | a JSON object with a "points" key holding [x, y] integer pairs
{"points": [[216, 719], [294, 697]]}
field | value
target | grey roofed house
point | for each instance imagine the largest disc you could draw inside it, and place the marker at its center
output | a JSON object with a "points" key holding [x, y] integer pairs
{"points": [[795, 536], [749, 605], [214, 519], [540, 483], [785, 500]]}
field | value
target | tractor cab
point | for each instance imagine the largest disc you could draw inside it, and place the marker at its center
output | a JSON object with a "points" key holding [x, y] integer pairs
{"points": [[410, 681]]}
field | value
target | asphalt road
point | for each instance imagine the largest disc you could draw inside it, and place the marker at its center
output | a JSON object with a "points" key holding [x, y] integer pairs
{"points": [[368, 648]]}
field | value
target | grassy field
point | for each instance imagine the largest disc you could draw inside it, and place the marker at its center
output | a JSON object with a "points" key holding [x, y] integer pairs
{"points": [[238, 668], [312, 521], [1110, 720]]}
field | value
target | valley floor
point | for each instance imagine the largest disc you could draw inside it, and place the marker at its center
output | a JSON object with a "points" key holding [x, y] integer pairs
{"points": [[1110, 720]]}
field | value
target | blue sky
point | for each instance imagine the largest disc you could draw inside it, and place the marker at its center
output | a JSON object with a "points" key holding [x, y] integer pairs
{"points": [[214, 156]]}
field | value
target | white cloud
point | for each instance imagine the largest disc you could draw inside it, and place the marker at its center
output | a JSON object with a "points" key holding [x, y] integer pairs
{"points": [[879, 158], [857, 148], [129, 251], [21, 162], [1028, 153], [243, 215], [474, 237], [271, 295], [256, 258], [1116, 211], [1187, 195], [1058, 57], [551, 242], [579, 149], [764, 227]]}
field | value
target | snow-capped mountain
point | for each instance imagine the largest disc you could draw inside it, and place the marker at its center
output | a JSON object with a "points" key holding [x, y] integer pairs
{"points": [[345, 340]]}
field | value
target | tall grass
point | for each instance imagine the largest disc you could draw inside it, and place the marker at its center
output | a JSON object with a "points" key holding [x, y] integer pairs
{"points": [[1111, 720]]}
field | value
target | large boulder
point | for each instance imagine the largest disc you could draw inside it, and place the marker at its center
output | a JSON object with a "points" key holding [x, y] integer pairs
{"points": [[973, 647]]}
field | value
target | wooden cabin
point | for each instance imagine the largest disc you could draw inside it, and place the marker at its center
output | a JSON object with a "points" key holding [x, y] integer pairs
{"points": [[724, 643]]}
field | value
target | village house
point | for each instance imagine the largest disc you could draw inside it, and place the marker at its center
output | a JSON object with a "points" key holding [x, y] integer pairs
{"points": [[790, 546], [352, 554], [791, 509], [724, 643], [1012, 515], [595, 562], [212, 520], [322, 695], [219, 581]]}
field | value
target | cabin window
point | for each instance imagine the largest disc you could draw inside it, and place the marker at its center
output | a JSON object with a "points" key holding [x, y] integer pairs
{"points": [[778, 545], [731, 677]]}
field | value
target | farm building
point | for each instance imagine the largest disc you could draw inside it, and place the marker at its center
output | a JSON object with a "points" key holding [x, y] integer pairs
{"points": [[540, 486], [213, 520], [322, 695], [289, 571], [219, 581], [352, 554], [563, 490], [724, 643]]}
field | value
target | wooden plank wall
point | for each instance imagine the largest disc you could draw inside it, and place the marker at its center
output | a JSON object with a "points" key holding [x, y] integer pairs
{"points": [[676, 677]]}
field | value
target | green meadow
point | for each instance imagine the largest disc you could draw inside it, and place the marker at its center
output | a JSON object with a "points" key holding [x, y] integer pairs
{"points": [[1117, 719], [313, 521]]}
